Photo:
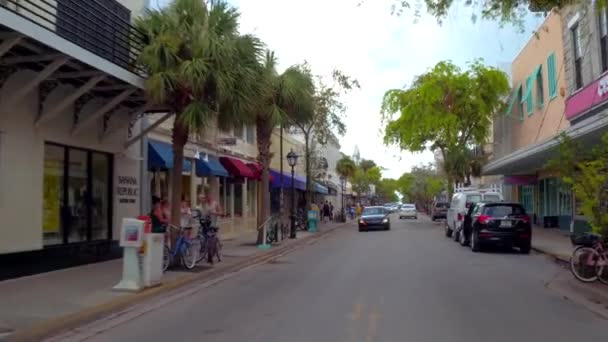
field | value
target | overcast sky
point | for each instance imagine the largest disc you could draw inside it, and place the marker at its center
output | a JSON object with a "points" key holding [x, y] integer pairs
{"points": [[380, 50]]}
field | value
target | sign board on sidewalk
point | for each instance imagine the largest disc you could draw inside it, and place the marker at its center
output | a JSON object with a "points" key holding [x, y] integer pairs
{"points": [[132, 233]]}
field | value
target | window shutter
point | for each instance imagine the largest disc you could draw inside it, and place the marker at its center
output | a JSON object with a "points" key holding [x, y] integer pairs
{"points": [[551, 77]]}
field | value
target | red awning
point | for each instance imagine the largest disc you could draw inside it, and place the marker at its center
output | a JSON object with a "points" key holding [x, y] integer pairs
{"points": [[236, 168], [257, 171]]}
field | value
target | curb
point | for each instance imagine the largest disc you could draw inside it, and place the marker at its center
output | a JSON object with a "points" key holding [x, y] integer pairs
{"points": [[558, 258], [54, 326]]}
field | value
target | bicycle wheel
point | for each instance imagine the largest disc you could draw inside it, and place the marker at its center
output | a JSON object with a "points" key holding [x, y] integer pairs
{"points": [[601, 269], [190, 254], [583, 264], [166, 258], [202, 250]]}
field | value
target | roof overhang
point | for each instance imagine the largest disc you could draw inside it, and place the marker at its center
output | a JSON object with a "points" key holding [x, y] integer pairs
{"points": [[534, 157]]}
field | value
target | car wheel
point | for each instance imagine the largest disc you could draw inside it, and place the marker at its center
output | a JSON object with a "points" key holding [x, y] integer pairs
{"points": [[387, 228], [525, 249], [361, 229], [433, 218], [463, 239], [475, 242], [456, 235], [448, 231], [415, 217]]}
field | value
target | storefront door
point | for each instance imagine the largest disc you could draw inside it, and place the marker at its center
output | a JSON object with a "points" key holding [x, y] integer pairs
{"points": [[77, 195]]}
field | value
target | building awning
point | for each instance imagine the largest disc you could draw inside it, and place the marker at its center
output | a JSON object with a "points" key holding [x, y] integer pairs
{"points": [[299, 182], [257, 171], [210, 167], [534, 157], [236, 168], [160, 156], [320, 189]]}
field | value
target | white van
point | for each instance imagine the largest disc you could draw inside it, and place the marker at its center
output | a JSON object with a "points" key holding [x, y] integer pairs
{"points": [[460, 204]]}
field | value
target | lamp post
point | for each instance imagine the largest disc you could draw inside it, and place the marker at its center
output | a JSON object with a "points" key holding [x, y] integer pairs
{"points": [[292, 160], [342, 181]]}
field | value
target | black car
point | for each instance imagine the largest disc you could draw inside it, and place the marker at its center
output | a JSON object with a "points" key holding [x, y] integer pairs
{"points": [[497, 223], [374, 218]]}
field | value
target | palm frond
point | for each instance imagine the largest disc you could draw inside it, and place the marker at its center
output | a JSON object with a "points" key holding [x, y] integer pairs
{"points": [[196, 116]]}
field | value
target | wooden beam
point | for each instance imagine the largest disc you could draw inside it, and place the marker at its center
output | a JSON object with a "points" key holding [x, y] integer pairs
{"points": [[68, 100], [8, 43], [40, 77], [103, 110], [78, 74], [148, 129], [32, 59]]}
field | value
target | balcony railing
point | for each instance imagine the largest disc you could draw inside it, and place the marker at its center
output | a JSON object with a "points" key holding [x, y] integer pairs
{"points": [[102, 27]]}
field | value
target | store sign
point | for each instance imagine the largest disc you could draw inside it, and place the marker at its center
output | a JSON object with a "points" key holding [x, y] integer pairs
{"points": [[588, 97], [132, 233], [229, 141], [127, 190]]}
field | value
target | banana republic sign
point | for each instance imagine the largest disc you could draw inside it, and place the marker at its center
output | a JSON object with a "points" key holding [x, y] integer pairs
{"points": [[127, 190]]}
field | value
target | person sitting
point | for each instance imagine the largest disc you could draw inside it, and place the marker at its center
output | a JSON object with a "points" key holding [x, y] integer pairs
{"points": [[158, 217]]}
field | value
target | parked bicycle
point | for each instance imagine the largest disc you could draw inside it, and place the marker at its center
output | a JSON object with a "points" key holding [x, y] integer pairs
{"points": [[589, 261], [185, 249], [210, 244]]}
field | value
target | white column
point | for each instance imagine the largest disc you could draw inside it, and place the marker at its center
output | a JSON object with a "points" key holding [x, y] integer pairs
{"points": [[193, 183], [245, 199], [232, 200]]}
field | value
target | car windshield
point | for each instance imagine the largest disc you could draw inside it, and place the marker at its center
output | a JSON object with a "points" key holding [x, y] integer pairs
{"points": [[473, 198], [408, 206], [441, 205], [491, 198], [373, 211], [503, 210]]}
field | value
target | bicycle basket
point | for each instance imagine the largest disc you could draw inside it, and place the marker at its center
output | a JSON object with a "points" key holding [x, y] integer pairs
{"points": [[587, 239]]}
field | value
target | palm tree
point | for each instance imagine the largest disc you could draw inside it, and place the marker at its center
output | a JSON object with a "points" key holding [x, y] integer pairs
{"points": [[201, 69], [346, 167], [284, 96]]}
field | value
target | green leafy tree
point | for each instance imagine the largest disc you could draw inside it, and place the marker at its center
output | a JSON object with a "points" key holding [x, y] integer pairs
{"points": [[326, 118], [201, 69], [447, 109], [586, 173], [346, 167], [386, 189], [504, 11], [360, 183], [366, 164]]}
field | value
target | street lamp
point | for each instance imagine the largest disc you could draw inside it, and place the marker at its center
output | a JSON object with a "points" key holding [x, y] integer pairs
{"points": [[292, 160], [342, 181]]}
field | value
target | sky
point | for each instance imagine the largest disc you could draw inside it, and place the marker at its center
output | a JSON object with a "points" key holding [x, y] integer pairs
{"points": [[380, 50]]}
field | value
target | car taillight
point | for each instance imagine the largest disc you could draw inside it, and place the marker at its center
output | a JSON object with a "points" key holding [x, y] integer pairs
{"points": [[524, 218], [483, 219], [459, 217]]}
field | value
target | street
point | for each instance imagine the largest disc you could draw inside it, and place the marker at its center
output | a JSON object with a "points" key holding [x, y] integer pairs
{"points": [[407, 284]]}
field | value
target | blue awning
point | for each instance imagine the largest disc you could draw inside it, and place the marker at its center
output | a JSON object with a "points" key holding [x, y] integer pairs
{"points": [[160, 156], [210, 167], [320, 189], [299, 182]]}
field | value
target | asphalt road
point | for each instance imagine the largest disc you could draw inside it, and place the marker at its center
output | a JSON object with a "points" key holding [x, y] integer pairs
{"points": [[407, 284]]}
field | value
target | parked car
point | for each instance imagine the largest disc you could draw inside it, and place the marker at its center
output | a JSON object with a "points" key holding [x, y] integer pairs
{"points": [[374, 218], [461, 201], [464, 233], [500, 223], [408, 211], [439, 210]]}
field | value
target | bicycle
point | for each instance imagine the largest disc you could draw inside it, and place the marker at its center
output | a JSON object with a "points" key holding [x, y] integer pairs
{"points": [[589, 261], [210, 244], [186, 249]]}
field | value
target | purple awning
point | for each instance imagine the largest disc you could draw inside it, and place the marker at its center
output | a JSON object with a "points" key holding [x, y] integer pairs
{"points": [[299, 182]]}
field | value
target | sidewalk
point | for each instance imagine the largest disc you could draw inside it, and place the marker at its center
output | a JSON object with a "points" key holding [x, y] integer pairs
{"points": [[34, 300], [552, 242]]}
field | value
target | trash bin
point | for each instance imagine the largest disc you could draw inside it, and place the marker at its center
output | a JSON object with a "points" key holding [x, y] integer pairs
{"points": [[312, 220], [153, 259]]}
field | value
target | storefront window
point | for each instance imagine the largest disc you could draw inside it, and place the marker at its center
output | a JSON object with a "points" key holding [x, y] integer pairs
{"points": [[54, 161], [77, 195]]}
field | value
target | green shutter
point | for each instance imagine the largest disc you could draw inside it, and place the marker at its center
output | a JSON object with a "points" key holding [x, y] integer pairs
{"points": [[514, 95], [552, 85], [528, 95]]}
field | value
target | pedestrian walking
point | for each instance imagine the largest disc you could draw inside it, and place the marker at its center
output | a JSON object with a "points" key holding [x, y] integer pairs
{"points": [[331, 212], [325, 211]]}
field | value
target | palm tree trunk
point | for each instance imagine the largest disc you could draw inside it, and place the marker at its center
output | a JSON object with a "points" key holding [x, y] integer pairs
{"points": [[264, 135], [180, 137]]}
